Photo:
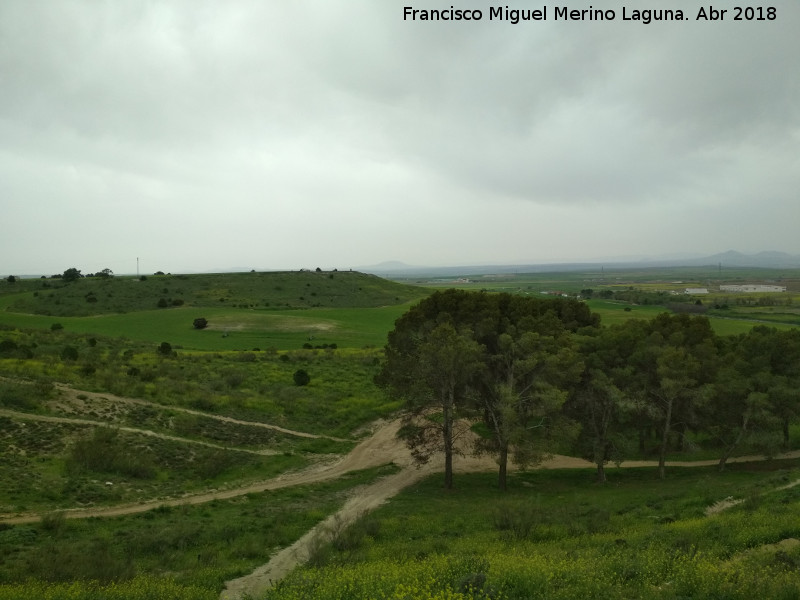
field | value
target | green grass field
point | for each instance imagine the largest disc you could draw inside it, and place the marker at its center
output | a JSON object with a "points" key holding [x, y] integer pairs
{"points": [[200, 546], [556, 534], [232, 328], [723, 322], [272, 290], [244, 310]]}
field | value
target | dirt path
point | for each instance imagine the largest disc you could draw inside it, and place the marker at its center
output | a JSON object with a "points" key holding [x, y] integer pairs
{"points": [[51, 419], [73, 395], [381, 448], [385, 446]]}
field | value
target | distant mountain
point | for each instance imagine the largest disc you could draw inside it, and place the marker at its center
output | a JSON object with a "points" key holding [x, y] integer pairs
{"points": [[731, 258], [387, 266], [769, 259]]}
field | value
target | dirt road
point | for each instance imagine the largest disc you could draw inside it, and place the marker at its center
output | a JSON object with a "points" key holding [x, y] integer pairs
{"points": [[72, 394], [50, 419], [382, 447]]}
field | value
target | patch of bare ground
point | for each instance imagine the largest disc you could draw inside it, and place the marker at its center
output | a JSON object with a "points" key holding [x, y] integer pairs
{"points": [[730, 501], [723, 504]]}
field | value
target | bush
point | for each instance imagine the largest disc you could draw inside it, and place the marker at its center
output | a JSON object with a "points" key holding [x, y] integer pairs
{"points": [[301, 377], [165, 349], [56, 326], [200, 323], [103, 453], [69, 353], [8, 347]]}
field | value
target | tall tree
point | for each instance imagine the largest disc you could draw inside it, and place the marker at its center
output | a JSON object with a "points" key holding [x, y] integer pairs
{"points": [[675, 364], [600, 401], [745, 395], [434, 379], [515, 376], [785, 392], [523, 392], [72, 274]]}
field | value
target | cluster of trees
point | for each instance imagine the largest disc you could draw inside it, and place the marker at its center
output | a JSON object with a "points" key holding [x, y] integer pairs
{"points": [[73, 274], [637, 296], [540, 373]]}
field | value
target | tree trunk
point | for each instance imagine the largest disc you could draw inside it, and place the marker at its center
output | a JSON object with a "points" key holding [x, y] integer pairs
{"points": [[600, 452], [662, 455], [786, 434], [732, 447], [684, 428], [601, 471], [447, 428], [502, 479]]}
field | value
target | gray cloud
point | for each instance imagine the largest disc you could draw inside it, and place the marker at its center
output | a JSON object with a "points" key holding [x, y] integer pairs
{"points": [[280, 135]]}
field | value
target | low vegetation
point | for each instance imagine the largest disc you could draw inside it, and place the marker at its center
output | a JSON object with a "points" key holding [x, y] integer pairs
{"points": [[251, 385], [86, 296], [555, 534], [117, 390], [192, 547]]}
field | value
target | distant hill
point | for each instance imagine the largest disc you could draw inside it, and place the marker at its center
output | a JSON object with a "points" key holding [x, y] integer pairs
{"points": [[769, 260], [731, 258], [270, 290]]}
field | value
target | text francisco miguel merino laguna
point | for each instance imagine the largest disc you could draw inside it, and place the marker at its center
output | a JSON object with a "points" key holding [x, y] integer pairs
{"points": [[564, 13]]}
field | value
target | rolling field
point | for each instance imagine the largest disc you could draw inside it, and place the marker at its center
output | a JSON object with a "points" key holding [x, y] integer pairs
{"points": [[94, 415], [232, 328], [723, 322]]}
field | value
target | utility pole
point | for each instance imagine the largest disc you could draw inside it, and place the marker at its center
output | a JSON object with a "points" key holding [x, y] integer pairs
{"points": [[137, 267]]}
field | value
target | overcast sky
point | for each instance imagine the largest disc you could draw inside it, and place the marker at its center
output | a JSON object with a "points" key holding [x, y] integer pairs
{"points": [[279, 134]]}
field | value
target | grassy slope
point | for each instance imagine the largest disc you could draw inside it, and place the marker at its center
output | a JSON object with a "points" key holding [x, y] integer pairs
{"points": [[556, 534], [232, 328], [238, 385], [201, 546], [273, 290], [244, 310]]}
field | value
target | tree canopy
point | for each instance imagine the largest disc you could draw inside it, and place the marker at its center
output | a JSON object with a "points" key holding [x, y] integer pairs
{"points": [[530, 375], [499, 355]]}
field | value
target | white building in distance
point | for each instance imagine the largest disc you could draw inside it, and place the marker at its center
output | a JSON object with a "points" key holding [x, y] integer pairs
{"points": [[752, 288]]}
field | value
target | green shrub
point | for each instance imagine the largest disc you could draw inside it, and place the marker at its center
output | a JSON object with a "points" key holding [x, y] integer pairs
{"points": [[301, 377], [69, 353], [104, 453]]}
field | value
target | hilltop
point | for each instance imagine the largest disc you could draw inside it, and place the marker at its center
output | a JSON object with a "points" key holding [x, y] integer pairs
{"points": [[89, 296]]}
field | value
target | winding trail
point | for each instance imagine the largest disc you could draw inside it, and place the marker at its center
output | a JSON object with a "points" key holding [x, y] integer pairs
{"points": [[386, 447], [53, 419], [73, 393], [380, 448]]}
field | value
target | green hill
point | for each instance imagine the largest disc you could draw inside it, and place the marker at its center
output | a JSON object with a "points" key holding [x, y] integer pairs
{"points": [[271, 290]]}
